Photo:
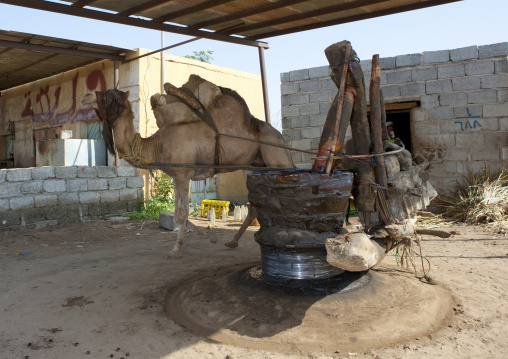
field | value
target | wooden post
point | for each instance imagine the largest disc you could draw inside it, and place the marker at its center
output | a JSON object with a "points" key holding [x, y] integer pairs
{"points": [[338, 56]]}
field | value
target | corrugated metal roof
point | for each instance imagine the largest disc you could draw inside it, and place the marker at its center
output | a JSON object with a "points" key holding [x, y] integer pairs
{"points": [[27, 57], [238, 21]]}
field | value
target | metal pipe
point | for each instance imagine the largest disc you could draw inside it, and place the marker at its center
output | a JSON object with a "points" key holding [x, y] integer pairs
{"points": [[264, 84], [163, 71], [163, 49]]}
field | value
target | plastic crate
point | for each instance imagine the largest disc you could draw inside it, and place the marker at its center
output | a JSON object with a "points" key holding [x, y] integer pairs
{"points": [[207, 204]]}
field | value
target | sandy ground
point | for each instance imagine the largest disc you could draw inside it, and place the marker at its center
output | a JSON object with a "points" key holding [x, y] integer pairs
{"points": [[96, 290]]}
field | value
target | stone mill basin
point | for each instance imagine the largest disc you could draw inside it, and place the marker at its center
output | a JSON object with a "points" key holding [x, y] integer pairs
{"points": [[297, 210]]}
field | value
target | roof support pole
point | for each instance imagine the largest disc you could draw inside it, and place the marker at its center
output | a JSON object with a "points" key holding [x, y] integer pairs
{"points": [[116, 78], [264, 84]]}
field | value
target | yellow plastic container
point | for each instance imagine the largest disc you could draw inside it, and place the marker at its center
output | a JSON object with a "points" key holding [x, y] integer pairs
{"points": [[207, 204]]}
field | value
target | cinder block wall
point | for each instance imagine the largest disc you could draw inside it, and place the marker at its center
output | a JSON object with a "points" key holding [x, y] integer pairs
{"points": [[47, 196], [462, 120]]}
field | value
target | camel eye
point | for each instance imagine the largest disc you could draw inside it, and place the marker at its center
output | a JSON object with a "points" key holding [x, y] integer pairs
{"points": [[216, 105]]}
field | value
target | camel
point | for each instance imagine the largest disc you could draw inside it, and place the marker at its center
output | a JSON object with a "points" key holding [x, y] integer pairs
{"points": [[192, 143]]}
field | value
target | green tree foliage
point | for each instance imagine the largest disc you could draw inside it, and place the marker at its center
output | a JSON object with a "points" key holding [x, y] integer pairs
{"points": [[203, 56]]}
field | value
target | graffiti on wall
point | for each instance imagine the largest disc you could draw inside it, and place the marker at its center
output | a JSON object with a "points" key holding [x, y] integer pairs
{"points": [[465, 123], [53, 108]]}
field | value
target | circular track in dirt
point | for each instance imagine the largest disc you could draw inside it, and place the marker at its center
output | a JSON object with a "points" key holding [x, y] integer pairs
{"points": [[225, 306]]}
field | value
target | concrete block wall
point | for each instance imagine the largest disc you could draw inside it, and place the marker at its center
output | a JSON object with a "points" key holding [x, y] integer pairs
{"points": [[462, 120], [46, 196]]}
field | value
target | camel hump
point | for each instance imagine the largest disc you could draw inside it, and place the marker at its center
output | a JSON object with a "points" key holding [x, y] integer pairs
{"points": [[170, 109]]}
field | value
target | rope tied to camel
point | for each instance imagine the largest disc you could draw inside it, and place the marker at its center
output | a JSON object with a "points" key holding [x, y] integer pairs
{"points": [[135, 155]]}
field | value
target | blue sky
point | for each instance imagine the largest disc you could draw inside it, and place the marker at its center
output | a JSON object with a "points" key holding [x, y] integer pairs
{"points": [[460, 24]]}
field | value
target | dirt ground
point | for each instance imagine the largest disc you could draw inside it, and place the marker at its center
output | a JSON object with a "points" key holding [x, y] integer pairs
{"points": [[96, 290]]}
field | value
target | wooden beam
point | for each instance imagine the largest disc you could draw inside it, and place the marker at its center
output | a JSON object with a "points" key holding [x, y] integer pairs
{"points": [[191, 10], [142, 7]]}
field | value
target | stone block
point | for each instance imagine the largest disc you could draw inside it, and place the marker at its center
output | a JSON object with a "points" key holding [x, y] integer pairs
{"points": [[9, 219], [311, 132], [495, 110], [424, 74], [504, 153], [398, 77], [106, 171], [299, 75], [66, 172], [414, 89], [299, 99], [309, 109], [322, 71], [89, 197], [438, 86], [4, 205], [457, 154], [464, 53], [290, 111], [501, 66], [366, 65], [309, 86], [42, 173], [284, 100], [301, 121], [324, 108], [502, 95], [166, 220], [31, 187], [46, 224], [482, 67], [289, 88], [31, 216], [321, 96], [453, 98], [387, 63], [66, 212], [68, 198], [469, 139], [87, 172], [408, 60], [493, 81], [314, 142], [97, 184], [24, 202], [18, 174], [496, 139], [3, 175], [292, 134], [440, 113], [483, 153], [10, 190], [449, 71], [128, 194], [430, 57], [317, 120], [327, 84], [133, 206], [468, 112], [426, 128], [98, 209], [77, 185], [482, 96], [110, 196], [51, 185], [284, 77], [429, 100], [45, 200], [465, 83], [127, 171], [304, 145], [503, 124], [135, 182], [500, 49], [390, 91], [117, 183], [117, 208]]}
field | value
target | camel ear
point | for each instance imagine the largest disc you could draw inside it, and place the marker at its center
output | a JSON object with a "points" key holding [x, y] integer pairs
{"points": [[126, 95]]}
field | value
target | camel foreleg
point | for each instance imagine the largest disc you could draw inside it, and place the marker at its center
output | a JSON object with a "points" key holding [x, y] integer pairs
{"points": [[181, 184], [248, 220]]}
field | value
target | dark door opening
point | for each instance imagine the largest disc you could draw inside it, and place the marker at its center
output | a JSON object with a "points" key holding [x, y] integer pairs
{"points": [[401, 125]]}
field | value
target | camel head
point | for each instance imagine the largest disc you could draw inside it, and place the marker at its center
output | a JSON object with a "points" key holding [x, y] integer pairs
{"points": [[108, 105]]}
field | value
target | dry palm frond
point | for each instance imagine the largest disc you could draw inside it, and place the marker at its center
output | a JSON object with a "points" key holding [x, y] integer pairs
{"points": [[481, 199], [434, 222]]}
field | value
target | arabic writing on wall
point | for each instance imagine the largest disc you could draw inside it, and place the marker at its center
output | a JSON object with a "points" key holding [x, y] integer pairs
{"points": [[46, 108]]}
